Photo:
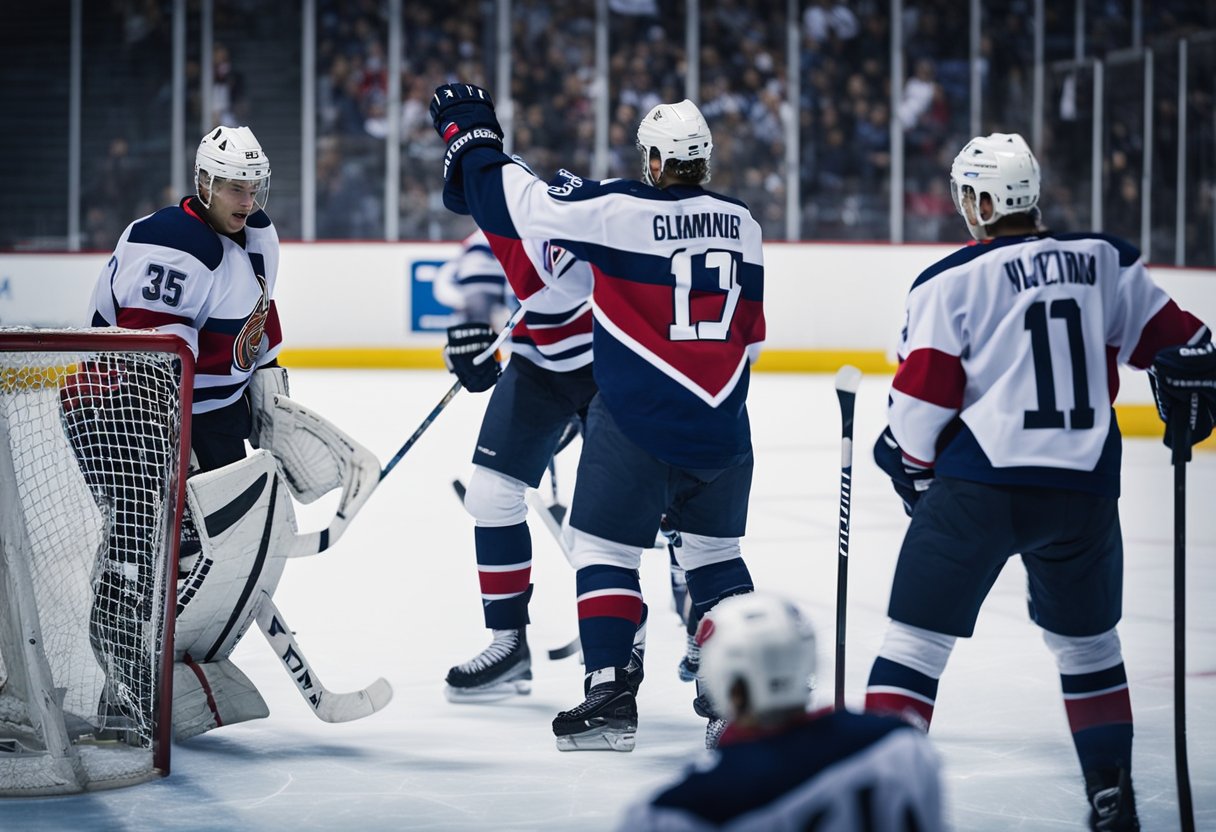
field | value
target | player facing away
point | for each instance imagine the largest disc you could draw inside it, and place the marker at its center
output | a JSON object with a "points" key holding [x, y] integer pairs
{"points": [[205, 270], [1003, 441], [678, 296], [779, 767]]}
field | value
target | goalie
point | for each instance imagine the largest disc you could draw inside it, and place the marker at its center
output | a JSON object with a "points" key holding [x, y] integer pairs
{"points": [[205, 270]]}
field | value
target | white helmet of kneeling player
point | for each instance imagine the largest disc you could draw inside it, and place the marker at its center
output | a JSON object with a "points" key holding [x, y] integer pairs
{"points": [[231, 157], [1001, 168], [757, 656], [675, 132]]}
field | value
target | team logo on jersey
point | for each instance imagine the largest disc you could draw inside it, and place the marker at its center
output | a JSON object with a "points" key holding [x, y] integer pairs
{"points": [[554, 255], [249, 339], [566, 188]]}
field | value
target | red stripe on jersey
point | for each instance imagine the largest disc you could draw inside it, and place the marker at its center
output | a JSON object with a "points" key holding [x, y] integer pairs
{"points": [[932, 376], [911, 710], [522, 275], [544, 336], [136, 318], [1111, 708], [613, 606], [504, 583], [274, 329], [645, 312], [1170, 327], [214, 353]]}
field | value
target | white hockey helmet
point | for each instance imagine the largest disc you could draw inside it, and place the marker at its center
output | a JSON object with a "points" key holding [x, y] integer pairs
{"points": [[762, 641], [676, 131], [1000, 165], [232, 154]]}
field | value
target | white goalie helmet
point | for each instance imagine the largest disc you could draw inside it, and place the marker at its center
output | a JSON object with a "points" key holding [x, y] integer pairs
{"points": [[677, 131], [232, 154], [762, 641], [1000, 165]]}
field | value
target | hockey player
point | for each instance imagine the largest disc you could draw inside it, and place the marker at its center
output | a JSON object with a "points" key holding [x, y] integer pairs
{"points": [[678, 316], [474, 284], [547, 383], [778, 767], [204, 270], [1002, 440]]}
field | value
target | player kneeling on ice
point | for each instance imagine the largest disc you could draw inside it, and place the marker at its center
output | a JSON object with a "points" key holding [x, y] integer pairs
{"points": [[777, 766], [1003, 442], [205, 269]]}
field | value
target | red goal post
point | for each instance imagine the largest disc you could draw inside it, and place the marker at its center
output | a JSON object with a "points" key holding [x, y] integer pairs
{"points": [[94, 452]]}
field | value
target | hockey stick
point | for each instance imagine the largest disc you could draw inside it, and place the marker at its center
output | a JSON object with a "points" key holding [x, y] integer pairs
{"points": [[848, 378], [484, 355], [1181, 442], [327, 705]]}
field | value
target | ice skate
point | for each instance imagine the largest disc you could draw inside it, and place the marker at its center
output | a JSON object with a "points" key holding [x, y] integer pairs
{"points": [[502, 670], [715, 726], [1112, 801], [691, 662], [607, 720]]}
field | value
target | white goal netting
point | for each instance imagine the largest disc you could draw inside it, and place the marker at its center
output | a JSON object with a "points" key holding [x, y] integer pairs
{"points": [[91, 467]]}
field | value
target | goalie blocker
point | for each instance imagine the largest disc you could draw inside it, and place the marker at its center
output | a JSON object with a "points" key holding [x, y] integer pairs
{"points": [[247, 529]]}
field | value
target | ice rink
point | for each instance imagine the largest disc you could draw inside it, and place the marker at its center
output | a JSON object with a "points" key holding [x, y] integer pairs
{"points": [[397, 597]]}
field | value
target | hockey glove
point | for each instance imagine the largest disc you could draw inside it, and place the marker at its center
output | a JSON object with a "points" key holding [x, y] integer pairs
{"points": [[1184, 385], [464, 118], [911, 480], [466, 342]]}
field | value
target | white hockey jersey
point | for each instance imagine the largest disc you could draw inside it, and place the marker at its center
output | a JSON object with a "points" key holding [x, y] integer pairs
{"points": [[678, 297], [839, 772], [171, 271], [1009, 359]]}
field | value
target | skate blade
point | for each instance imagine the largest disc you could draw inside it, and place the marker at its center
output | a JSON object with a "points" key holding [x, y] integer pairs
{"points": [[598, 739], [495, 692]]}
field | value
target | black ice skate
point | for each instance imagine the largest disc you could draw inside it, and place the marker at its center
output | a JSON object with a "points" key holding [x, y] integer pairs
{"points": [[715, 724], [1112, 801], [502, 670], [634, 671], [606, 721]]}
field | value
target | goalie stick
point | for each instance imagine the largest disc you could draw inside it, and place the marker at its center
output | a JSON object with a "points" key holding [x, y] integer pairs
{"points": [[327, 705], [848, 378]]}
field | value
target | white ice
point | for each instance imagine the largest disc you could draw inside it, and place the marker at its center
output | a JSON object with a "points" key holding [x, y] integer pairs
{"points": [[398, 597]]}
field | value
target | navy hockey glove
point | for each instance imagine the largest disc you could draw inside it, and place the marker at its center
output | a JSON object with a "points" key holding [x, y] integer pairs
{"points": [[464, 118], [466, 342], [911, 481], [1184, 385]]}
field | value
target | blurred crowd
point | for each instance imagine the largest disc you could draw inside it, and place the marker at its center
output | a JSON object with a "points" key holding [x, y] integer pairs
{"points": [[843, 118]]}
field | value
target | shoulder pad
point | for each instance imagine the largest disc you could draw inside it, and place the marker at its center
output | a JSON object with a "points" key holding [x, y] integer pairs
{"points": [[173, 228]]}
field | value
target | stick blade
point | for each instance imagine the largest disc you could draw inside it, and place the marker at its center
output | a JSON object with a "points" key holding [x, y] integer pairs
{"points": [[566, 650], [347, 707], [459, 488], [848, 379]]}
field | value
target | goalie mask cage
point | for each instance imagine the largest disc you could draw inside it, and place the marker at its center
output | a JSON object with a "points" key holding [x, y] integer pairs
{"points": [[94, 448]]}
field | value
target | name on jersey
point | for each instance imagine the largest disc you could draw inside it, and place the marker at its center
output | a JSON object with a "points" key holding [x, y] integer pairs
{"points": [[1050, 267], [704, 224]]}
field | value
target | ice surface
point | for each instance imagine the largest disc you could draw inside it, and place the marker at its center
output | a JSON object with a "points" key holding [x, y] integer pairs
{"points": [[398, 597]]}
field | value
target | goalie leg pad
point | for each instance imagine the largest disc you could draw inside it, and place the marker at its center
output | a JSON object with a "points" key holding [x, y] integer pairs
{"points": [[212, 694], [246, 526]]}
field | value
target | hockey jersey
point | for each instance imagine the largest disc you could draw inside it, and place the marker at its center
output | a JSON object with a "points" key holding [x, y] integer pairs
{"points": [[171, 271], [1009, 359], [678, 293], [837, 772]]}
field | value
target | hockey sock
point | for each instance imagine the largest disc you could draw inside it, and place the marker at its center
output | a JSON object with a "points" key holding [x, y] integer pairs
{"points": [[609, 611], [897, 689], [1100, 716], [504, 569], [709, 584]]}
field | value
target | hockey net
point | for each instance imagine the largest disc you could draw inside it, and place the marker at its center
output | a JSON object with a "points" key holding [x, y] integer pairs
{"points": [[94, 431]]}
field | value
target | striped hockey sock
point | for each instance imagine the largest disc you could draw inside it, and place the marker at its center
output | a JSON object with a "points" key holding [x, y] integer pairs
{"points": [[898, 689], [1100, 717], [504, 569], [609, 610]]}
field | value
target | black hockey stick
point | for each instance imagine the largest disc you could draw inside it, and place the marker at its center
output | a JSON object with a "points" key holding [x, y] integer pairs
{"points": [[1181, 442], [426, 423], [848, 378]]}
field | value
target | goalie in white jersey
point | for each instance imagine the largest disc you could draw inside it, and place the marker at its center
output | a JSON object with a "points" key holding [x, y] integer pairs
{"points": [[1003, 441], [779, 767], [204, 270]]}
